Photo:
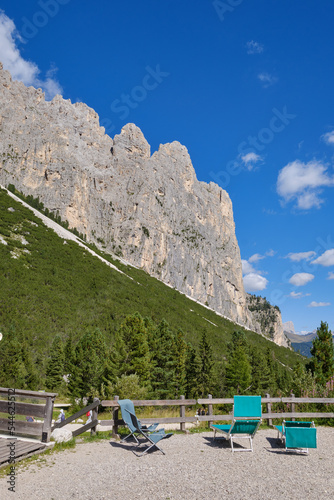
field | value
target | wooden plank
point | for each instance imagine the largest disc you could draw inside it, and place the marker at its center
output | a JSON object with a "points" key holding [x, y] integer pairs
{"points": [[20, 392], [21, 427], [308, 400], [219, 401], [78, 414], [46, 431], [22, 449], [167, 420], [28, 409], [289, 415], [105, 423], [85, 428], [156, 402]]}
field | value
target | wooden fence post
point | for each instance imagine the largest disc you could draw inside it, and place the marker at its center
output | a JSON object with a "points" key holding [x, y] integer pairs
{"points": [[115, 418], [210, 410], [269, 420], [293, 407], [46, 430], [182, 414], [95, 412]]}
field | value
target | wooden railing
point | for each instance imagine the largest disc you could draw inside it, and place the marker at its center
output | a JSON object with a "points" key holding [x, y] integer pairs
{"points": [[12, 404], [115, 422], [210, 416], [92, 425]]}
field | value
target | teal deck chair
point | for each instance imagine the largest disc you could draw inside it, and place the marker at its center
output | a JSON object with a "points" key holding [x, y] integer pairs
{"points": [[152, 437], [247, 417], [126, 406], [298, 436], [300, 439]]}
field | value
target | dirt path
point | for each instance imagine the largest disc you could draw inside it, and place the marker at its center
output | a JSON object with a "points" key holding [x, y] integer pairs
{"points": [[194, 467]]}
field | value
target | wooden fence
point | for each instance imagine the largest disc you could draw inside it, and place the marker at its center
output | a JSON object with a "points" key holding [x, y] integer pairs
{"points": [[12, 404], [210, 416], [91, 425]]}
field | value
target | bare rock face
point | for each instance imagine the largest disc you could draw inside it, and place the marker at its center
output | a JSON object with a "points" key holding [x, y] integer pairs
{"points": [[267, 319], [149, 209]]}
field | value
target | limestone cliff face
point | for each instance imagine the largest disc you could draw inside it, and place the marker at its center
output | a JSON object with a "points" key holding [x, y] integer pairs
{"points": [[149, 209], [267, 319]]}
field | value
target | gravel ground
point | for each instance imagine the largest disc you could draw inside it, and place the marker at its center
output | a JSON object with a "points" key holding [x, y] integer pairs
{"points": [[194, 467]]}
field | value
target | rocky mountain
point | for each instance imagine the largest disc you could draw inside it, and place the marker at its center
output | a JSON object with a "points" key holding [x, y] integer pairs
{"points": [[149, 209], [267, 319]]}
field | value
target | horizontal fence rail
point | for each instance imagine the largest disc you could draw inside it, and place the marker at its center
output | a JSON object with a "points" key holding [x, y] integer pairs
{"points": [[209, 417], [91, 425], [11, 405]]}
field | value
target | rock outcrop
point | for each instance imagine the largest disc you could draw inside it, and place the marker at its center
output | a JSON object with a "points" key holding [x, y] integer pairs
{"points": [[267, 319], [149, 209]]}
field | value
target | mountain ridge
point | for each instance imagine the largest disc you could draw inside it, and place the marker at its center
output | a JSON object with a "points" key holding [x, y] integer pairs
{"points": [[148, 209]]}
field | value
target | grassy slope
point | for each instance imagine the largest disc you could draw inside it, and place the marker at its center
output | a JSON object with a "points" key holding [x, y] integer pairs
{"points": [[59, 287]]}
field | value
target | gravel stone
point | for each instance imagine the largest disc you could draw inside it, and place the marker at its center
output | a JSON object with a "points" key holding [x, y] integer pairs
{"points": [[194, 467]]}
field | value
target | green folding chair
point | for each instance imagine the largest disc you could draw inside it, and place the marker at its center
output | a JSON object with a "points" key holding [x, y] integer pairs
{"points": [[247, 418]]}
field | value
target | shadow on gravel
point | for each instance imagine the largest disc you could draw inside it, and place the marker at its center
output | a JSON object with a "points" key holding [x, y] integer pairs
{"points": [[276, 446], [124, 446], [275, 443], [221, 443], [134, 448]]}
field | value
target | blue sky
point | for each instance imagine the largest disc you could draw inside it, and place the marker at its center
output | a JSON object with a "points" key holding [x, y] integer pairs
{"points": [[245, 85]]}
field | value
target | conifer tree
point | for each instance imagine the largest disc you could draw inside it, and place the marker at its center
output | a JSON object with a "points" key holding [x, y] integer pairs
{"points": [[260, 371], [90, 355], [163, 362], [134, 346], [180, 353], [13, 372], [192, 372], [238, 369], [322, 363], [55, 365], [206, 366], [69, 355]]}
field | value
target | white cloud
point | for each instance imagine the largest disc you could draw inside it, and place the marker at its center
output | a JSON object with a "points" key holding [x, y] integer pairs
{"points": [[329, 137], [319, 304], [256, 257], [303, 182], [267, 79], [254, 282], [20, 69], [250, 159], [330, 276], [270, 253], [326, 259], [254, 47], [246, 267], [301, 279], [297, 257], [298, 295]]}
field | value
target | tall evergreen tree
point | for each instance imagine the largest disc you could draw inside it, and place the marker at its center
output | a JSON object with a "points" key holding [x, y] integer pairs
{"points": [[133, 349], [322, 351], [238, 369], [192, 371], [55, 365], [206, 366], [69, 355], [163, 362], [90, 355], [260, 371], [180, 353], [13, 372]]}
